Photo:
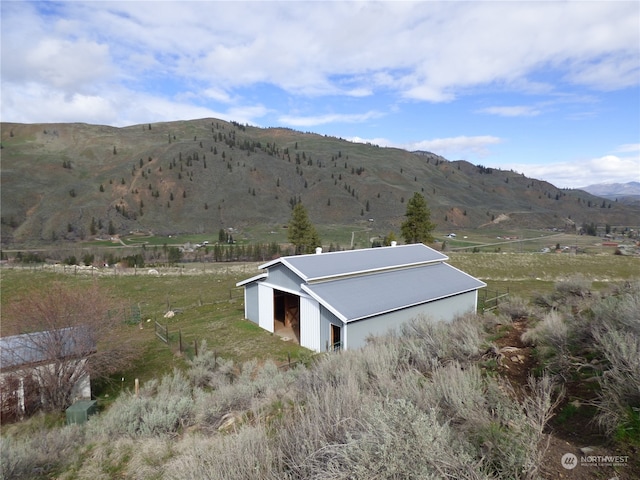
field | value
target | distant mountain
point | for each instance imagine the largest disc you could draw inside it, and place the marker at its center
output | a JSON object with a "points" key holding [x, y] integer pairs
{"points": [[627, 193], [613, 189], [73, 181]]}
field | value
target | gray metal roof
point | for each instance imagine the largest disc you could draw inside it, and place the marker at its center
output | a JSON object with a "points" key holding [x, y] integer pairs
{"points": [[354, 298], [38, 347], [351, 262]]}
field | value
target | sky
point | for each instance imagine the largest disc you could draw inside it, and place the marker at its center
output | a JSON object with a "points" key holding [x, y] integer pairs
{"points": [[550, 89]]}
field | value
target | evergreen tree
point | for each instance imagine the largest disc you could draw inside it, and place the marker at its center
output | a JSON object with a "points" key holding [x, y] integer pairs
{"points": [[417, 228], [301, 232]]}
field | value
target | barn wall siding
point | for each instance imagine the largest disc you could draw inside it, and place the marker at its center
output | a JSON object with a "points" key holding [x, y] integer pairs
{"points": [[310, 324], [265, 306], [285, 279], [251, 309], [445, 309]]}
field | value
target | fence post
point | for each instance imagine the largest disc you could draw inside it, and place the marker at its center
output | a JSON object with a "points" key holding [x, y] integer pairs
{"points": [[180, 340], [195, 347]]}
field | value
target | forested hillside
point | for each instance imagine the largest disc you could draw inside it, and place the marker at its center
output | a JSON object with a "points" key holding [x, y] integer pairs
{"points": [[77, 181]]}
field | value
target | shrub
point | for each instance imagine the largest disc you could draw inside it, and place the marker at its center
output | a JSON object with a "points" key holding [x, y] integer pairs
{"points": [[41, 454], [207, 370], [149, 457], [515, 307], [252, 389], [409, 405], [161, 408], [428, 343], [247, 454], [620, 309], [576, 286], [551, 336], [620, 383], [386, 445]]}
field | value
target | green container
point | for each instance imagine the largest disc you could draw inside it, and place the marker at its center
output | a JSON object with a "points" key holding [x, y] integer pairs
{"points": [[79, 412]]}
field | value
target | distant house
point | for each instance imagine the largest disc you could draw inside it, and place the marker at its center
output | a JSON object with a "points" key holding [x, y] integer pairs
{"points": [[28, 358], [327, 301]]}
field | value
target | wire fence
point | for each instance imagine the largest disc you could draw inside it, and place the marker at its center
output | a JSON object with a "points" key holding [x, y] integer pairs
{"points": [[490, 299]]}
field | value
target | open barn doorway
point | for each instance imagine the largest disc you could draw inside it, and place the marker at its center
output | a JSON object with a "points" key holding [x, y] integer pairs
{"points": [[286, 315]]}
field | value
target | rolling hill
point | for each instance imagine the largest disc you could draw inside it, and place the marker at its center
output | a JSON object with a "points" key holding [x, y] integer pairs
{"points": [[68, 182]]}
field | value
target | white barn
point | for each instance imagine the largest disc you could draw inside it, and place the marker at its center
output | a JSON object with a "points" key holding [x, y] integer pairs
{"points": [[328, 301]]}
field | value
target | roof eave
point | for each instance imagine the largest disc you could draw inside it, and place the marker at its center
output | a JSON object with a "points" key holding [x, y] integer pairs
{"points": [[252, 279], [403, 307], [325, 304]]}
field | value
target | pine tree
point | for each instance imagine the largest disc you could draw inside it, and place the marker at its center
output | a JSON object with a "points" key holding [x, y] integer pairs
{"points": [[417, 228], [301, 231]]}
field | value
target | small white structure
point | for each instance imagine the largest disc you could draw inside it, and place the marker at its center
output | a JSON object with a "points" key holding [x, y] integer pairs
{"points": [[328, 301], [26, 359]]}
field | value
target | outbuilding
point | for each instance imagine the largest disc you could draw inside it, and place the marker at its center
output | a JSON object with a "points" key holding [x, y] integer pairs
{"points": [[335, 300], [28, 358]]}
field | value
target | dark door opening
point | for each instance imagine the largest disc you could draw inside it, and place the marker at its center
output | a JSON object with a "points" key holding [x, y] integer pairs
{"points": [[286, 315], [336, 340]]}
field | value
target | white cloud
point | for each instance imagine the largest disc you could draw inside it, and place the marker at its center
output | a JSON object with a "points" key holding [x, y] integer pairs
{"points": [[457, 147], [629, 147], [309, 121], [217, 95], [513, 111], [120, 108], [24, 102], [430, 51], [380, 142], [446, 147], [70, 66], [581, 173]]}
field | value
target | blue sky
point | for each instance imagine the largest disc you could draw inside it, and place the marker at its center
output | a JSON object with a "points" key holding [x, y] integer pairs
{"points": [[549, 89]]}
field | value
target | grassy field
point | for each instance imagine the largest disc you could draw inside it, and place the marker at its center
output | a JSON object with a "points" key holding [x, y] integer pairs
{"points": [[236, 411], [209, 307]]}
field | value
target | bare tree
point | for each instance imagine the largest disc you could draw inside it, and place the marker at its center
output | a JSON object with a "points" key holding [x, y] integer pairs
{"points": [[70, 334]]}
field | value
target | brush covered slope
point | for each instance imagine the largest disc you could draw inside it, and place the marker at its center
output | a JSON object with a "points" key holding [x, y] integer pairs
{"points": [[77, 181]]}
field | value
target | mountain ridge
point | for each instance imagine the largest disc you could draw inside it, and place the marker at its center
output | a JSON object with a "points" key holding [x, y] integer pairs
{"points": [[72, 181]]}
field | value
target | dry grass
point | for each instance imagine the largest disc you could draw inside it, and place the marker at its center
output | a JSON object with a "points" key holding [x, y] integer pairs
{"points": [[358, 414]]}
